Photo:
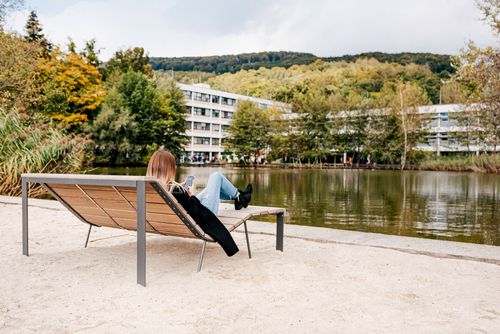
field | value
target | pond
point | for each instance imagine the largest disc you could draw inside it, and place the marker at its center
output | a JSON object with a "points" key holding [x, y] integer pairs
{"points": [[440, 205]]}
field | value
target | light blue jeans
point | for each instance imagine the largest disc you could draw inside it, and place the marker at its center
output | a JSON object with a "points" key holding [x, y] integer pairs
{"points": [[218, 187]]}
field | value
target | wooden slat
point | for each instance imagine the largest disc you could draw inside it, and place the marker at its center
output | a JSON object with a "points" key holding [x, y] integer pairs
{"points": [[150, 197], [99, 220], [170, 229]]}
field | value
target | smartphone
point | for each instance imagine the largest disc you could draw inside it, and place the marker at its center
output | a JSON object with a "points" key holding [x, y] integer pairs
{"points": [[189, 182]]}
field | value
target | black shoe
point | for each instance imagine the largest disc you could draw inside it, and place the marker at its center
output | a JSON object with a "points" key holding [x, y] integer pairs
{"points": [[243, 198]]}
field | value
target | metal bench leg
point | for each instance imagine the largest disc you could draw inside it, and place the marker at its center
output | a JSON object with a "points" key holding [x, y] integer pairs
{"points": [[141, 233], [24, 186], [248, 242], [88, 235], [202, 254], [280, 220]]}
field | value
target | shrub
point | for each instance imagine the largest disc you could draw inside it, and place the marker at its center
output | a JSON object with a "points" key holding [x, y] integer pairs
{"points": [[35, 147]]}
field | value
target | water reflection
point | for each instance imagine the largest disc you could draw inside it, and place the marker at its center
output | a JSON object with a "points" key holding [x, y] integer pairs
{"points": [[453, 206]]}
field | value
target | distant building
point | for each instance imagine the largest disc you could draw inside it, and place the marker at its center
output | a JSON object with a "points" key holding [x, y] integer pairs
{"points": [[209, 115], [443, 124], [446, 133]]}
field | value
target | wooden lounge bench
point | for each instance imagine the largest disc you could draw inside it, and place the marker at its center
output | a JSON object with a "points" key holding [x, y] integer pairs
{"points": [[135, 203]]}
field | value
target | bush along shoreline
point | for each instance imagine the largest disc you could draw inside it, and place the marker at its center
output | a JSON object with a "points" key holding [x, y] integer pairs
{"points": [[471, 163]]}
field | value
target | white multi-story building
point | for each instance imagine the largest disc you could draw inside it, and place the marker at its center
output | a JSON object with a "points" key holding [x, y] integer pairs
{"points": [[209, 115]]}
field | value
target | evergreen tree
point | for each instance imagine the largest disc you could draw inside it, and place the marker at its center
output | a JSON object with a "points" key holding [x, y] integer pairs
{"points": [[34, 33]]}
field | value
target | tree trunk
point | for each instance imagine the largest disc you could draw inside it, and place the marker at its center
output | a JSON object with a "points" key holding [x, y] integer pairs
{"points": [[405, 132]]}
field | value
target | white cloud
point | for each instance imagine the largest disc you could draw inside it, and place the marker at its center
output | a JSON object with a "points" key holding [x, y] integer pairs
{"points": [[322, 27]]}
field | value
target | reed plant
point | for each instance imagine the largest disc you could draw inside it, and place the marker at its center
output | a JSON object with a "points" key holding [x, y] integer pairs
{"points": [[485, 163], [30, 146]]}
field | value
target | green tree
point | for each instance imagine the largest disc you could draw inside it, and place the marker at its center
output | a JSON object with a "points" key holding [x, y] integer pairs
{"points": [[91, 54], [314, 125], [402, 101], [250, 131], [115, 133], [133, 59], [384, 138], [174, 110], [154, 117]]}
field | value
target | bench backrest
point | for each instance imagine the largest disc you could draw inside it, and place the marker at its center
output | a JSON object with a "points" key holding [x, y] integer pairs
{"points": [[114, 204]]}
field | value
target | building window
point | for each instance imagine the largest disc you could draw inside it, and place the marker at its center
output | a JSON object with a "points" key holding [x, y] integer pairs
{"points": [[188, 125], [215, 141], [227, 115], [228, 101], [216, 127], [188, 94], [215, 113], [201, 97], [225, 128], [202, 140], [215, 99], [201, 126], [201, 112], [188, 109]]}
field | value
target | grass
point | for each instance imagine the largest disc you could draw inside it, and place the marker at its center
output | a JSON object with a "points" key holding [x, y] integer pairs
{"points": [[28, 146], [469, 163]]}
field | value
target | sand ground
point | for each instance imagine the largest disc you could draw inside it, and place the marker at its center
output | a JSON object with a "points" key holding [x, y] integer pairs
{"points": [[325, 281]]}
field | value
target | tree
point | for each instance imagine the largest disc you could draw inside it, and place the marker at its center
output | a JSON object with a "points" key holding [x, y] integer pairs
{"points": [[384, 137], [91, 54], [478, 70], [20, 83], [491, 13], [250, 131], [140, 117], [402, 100], [73, 91], [174, 110], [34, 33], [133, 59], [115, 133], [314, 125]]}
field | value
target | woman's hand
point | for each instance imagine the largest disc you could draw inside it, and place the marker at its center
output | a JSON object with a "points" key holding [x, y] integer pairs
{"points": [[189, 190]]}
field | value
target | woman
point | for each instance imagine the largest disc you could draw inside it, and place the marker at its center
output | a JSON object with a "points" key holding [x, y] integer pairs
{"points": [[162, 166]]}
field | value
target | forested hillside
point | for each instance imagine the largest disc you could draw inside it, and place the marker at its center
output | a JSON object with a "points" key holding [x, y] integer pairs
{"points": [[246, 61], [232, 63]]}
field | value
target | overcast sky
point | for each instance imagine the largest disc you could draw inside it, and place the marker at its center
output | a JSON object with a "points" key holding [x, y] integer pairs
{"points": [[213, 27]]}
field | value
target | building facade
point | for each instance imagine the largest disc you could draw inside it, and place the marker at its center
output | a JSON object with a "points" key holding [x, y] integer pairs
{"points": [[209, 115]]}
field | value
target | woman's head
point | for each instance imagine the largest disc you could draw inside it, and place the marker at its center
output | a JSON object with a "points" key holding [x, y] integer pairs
{"points": [[162, 166]]}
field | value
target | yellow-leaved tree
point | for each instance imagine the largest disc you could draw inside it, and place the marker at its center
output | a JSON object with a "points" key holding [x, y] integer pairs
{"points": [[73, 88]]}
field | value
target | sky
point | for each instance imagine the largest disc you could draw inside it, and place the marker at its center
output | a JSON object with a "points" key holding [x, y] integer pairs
{"points": [[175, 28]]}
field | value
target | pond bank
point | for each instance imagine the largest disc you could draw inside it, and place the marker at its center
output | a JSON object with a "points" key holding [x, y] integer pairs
{"points": [[478, 164], [325, 280]]}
